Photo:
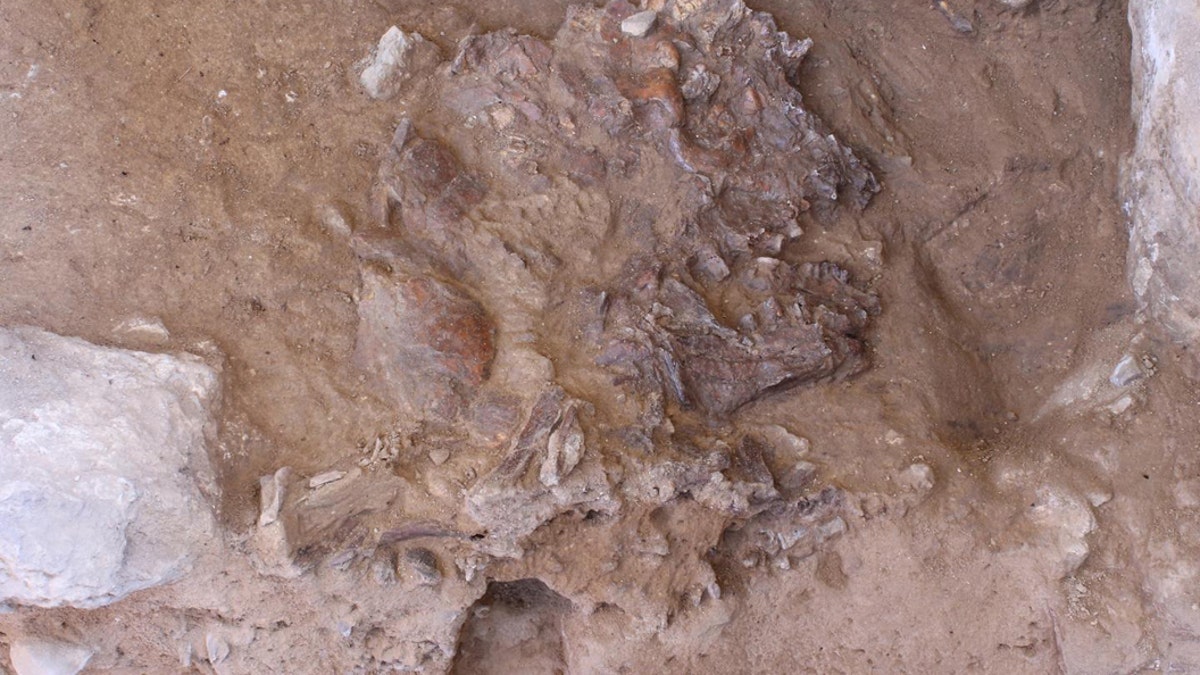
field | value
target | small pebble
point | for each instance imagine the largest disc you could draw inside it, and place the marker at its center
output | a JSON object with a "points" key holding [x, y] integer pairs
{"points": [[424, 565], [383, 568], [917, 478]]}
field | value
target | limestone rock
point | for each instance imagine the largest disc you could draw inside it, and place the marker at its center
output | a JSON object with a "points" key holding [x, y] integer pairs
{"points": [[1162, 177], [394, 61], [48, 657], [1065, 520], [102, 493], [637, 25]]}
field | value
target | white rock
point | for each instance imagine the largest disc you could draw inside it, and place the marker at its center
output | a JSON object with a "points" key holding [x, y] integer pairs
{"points": [[150, 329], [1127, 371], [917, 478], [1066, 520], [639, 24], [334, 222], [1120, 405], [104, 469], [272, 490], [782, 439], [1099, 497], [47, 657], [1162, 176], [394, 61]]}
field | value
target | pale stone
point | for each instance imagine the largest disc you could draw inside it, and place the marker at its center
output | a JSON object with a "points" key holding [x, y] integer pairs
{"points": [[1162, 177], [396, 58], [47, 657], [637, 25], [105, 468]]}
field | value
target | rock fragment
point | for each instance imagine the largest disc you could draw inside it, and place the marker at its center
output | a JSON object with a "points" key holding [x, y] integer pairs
{"points": [[1065, 520], [422, 565], [637, 25], [1162, 176], [148, 329], [105, 468], [1126, 372], [439, 456], [916, 478], [47, 657], [397, 57]]}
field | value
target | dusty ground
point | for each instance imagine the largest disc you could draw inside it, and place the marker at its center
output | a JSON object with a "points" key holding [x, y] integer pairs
{"points": [[181, 161]]}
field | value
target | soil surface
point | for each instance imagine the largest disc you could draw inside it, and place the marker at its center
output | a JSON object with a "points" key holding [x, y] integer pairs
{"points": [[1007, 508]]}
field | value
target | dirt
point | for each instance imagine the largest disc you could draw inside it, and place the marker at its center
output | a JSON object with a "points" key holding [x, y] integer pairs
{"points": [[218, 167]]}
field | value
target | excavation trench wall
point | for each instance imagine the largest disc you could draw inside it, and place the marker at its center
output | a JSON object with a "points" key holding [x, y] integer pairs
{"points": [[1162, 177]]}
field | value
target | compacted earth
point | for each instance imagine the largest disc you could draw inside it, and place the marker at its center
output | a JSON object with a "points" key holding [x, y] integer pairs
{"points": [[528, 337]]}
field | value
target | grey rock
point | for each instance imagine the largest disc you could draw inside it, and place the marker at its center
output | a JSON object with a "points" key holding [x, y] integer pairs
{"points": [[423, 564], [1127, 371], [916, 478], [105, 461], [439, 456], [383, 568], [396, 58], [47, 657], [637, 25], [1066, 520], [1162, 176]]}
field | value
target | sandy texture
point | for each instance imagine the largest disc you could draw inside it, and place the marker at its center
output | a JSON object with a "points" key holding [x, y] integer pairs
{"points": [[527, 487]]}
